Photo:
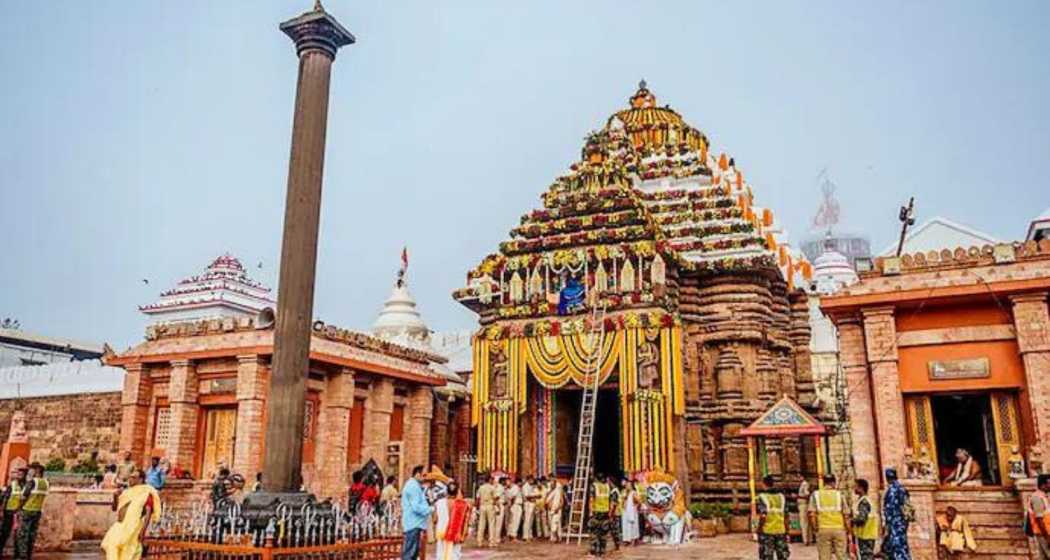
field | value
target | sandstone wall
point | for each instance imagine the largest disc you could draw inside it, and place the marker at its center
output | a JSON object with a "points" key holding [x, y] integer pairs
{"points": [[68, 426]]}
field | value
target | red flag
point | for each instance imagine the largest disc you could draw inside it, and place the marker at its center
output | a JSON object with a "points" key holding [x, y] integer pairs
{"points": [[404, 259]]}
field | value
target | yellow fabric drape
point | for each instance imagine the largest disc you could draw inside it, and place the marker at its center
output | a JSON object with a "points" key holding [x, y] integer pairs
{"points": [[647, 423], [556, 360]]}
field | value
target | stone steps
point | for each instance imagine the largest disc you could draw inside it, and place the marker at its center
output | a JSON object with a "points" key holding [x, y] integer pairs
{"points": [[995, 517]]}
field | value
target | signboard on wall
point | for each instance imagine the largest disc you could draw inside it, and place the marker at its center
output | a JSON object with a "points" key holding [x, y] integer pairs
{"points": [[969, 368]]}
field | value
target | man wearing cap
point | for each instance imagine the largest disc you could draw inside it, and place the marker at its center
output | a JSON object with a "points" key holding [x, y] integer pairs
{"points": [[487, 498], [828, 510], [12, 500], [896, 516]]}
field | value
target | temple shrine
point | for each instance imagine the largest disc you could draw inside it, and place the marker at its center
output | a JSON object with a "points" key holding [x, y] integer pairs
{"points": [[196, 388], [706, 323], [222, 290]]}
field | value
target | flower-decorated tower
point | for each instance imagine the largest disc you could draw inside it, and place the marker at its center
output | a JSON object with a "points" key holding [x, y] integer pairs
{"points": [[706, 328]]}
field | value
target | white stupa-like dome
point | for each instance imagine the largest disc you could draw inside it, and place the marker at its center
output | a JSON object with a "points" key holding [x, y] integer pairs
{"points": [[832, 272], [399, 319]]}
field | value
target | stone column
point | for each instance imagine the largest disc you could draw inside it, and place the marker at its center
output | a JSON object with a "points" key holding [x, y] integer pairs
{"points": [[334, 433], [440, 428], [416, 447], [182, 395], [134, 404], [1033, 338], [378, 408], [253, 381], [860, 402], [317, 37], [880, 336]]}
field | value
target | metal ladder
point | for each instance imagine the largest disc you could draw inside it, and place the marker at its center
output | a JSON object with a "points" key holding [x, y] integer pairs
{"points": [[581, 475]]}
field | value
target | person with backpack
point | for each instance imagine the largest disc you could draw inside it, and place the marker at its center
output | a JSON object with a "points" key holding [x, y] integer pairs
{"points": [[897, 513], [1037, 522]]}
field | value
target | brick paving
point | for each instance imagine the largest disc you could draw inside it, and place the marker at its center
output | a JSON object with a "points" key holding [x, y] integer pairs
{"points": [[728, 547]]}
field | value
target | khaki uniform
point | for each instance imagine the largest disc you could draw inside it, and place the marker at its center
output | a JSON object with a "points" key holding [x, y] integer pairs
{"points": [[488, 503], [530, 493], [831, 509], [803, 512], [516, 503], [541, 511], [501, 510]]}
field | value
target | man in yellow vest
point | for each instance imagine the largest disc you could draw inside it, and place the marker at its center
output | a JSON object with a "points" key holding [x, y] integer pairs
{"points": [[601, 496], [31, 510], [772, 525], [12, 502], [827, 512], [488, 496], [865, 521]]}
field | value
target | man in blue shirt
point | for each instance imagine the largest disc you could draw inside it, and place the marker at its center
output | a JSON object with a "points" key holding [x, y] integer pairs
{"points": [[414, 513], [155, 474]]}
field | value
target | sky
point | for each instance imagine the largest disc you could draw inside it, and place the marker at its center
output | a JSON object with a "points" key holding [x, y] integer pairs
{"points": [[142, 139]]}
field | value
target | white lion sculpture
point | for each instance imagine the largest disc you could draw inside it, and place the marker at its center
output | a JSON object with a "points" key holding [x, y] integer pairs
{"points": [[665, 507]]}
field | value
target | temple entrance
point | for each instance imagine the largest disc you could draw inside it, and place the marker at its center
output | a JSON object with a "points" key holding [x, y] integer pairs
{"points": [[606, 456], [220, 429], [965, 422]]}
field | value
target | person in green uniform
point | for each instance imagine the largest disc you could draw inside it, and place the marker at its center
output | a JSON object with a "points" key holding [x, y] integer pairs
{"points": [[865, 522], [12, 501], [31, 510], [601, 497], [772, 525]]}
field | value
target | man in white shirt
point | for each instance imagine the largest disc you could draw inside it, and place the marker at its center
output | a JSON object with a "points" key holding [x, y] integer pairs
{"points": [[555, 502], [530, 492], [515, 503]]}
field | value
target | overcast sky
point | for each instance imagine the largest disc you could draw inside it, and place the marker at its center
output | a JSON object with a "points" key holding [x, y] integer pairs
{"points": [[141, 139]]}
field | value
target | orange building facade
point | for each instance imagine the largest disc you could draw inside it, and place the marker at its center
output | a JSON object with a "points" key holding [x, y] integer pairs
{"points": [[195, 393], [948, 350]]}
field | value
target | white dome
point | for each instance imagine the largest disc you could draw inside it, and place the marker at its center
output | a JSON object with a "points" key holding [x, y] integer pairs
{"points": [[832, 272], [399, 317]]}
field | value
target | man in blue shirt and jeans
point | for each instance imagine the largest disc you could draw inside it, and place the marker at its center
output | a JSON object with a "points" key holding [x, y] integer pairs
{"points": [[414, 513]]}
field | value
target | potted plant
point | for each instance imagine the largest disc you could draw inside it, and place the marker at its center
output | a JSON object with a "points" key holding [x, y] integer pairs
{"points": [[704, 522]]}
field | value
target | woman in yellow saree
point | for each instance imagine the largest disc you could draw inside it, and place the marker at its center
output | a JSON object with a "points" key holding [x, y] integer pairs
{"points": [[137, 507]]}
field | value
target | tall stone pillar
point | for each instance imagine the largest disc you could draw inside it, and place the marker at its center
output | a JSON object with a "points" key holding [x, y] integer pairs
{"points": [[253, 380], [880, 336], [420, 410], [378, 408], [334, 440], [860, 402], [1032, 325], [134, 405], [182, 395], [317, 37]]}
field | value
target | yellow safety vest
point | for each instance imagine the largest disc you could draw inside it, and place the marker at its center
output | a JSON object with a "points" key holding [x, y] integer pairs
{"points": [[870, 530], [829, 509], [35, 503], [16, 495], [600, 501], [774, 504]]}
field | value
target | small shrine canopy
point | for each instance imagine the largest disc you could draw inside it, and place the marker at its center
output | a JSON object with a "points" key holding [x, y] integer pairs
{"points": [[785, 418]]}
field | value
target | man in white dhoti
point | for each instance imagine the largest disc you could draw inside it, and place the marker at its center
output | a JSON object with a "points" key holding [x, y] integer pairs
{"points": [[555, 502], [630, 529], [452, 524], [530, 492], [515, 503]]}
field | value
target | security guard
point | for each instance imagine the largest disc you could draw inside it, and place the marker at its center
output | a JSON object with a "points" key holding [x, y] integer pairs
{"points": [[32, 508], [827, 512], [865, 522], [601, 498], [772, 528]]}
